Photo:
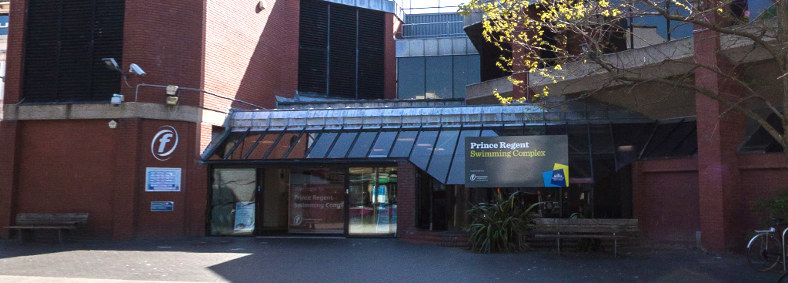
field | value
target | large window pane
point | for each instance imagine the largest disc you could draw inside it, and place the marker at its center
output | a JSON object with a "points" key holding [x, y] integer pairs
{"points": [[439, 77], [317, 201], [383, 144], [466, 72], [410, 77], [233, 201], [404, 144], [442, 155]]}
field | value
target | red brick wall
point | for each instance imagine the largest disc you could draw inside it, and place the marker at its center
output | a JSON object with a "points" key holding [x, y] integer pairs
{"points": [[251, 53], [189, 203], [406, 197], [165, 38], [68, 166], [8, 140], [13, 71], [665, 200], [762, 176]]}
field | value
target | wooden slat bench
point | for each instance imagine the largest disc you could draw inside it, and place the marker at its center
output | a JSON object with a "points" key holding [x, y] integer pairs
{"points": [[566, 228], [48, 221]]}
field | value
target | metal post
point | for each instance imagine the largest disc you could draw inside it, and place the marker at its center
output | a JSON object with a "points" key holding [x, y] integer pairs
{"points": [[785, 231]]}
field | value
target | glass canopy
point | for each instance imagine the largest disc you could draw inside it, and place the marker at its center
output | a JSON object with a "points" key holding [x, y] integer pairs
{"points": [[433, 138]]}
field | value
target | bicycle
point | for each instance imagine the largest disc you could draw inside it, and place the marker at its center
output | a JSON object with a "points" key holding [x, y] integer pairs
{"points": [[766, 249]]}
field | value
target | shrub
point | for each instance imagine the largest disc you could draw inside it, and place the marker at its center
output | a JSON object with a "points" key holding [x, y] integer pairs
{"points": [[499, 226]]}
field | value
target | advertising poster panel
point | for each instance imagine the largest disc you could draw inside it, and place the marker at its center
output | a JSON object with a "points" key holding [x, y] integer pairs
{"points": [[516, 161]]}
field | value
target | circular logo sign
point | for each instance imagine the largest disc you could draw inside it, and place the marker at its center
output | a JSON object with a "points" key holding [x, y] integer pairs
{"points": [[164, 143], [473, 177]]}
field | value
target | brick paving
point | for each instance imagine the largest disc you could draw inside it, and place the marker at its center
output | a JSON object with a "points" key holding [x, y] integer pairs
{"points": [[350, 260]]}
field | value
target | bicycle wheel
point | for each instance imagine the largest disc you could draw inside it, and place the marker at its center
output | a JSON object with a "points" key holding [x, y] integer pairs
{"points": [[763, 252]]}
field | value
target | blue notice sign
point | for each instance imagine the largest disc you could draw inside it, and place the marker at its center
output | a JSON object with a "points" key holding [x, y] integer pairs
{"points": [[162, 206]]}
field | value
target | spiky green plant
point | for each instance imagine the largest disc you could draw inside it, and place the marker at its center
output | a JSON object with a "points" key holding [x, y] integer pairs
{"points": [[499, 226]]}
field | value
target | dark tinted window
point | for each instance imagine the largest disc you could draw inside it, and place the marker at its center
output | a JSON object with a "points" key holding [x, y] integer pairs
{"points": [[64, 44], [340, 50]]}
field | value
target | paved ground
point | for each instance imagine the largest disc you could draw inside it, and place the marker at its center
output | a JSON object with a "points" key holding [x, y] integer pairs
{"points": [[350, 260]]}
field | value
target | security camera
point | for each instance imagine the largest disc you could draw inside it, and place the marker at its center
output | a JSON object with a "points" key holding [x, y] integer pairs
{"points": [[116, 99], [111, 64], [134, 69]]}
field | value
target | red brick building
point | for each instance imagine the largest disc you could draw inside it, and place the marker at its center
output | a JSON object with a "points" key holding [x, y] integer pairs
{"points": [[67, 149]]}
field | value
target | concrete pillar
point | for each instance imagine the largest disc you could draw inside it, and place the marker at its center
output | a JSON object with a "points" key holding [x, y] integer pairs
{"points": [[718, 138]]}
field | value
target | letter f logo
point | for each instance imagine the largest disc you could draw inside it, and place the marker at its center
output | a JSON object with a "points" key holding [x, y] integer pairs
{"points": [[165, 138], [164, 143]]}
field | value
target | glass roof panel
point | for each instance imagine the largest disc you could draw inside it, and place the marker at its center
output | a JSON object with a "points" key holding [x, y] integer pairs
{"points": [[442, 155], [285, 143], [342, 145], [299, 149], [383, 144], [362, 145], [422, 150], [323, 143], [258, 152], [404, 144], [457, 172]]}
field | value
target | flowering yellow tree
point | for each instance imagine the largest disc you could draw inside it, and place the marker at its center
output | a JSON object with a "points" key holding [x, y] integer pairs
{"points": [[549, 39]]}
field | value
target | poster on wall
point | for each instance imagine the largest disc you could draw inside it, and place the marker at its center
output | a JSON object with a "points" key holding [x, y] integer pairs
{"points": [[244, 216], [516, 161], [159, 179]]}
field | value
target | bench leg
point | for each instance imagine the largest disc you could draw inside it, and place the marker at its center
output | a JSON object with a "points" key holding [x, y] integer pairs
{"points": [[615, 246], [60, 236], [19, 235], [558, 243]]}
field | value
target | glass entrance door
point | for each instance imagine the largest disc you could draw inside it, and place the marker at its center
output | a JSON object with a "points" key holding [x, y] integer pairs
{"points": [[233, 205], [372, 201]]}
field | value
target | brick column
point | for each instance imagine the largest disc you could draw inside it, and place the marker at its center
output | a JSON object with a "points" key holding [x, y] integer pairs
{"points": [[406, 197], [127, 172], [8, 138], [718, 174], [197, 186]]}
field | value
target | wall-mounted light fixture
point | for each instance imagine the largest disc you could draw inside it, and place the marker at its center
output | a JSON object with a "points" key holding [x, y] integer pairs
{"points": [[261, 5], [112, 124]]}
